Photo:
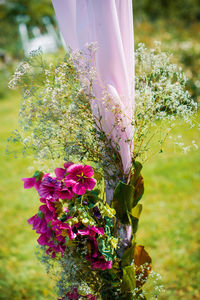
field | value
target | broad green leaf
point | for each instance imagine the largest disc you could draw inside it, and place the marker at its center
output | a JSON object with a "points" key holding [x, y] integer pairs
{"points": [[135, 214], [128, 256], [128, 281], [136, 211], [123, 201]]}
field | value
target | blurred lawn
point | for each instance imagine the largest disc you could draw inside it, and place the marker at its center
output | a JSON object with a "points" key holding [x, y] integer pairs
{"points": [[169, 225]]}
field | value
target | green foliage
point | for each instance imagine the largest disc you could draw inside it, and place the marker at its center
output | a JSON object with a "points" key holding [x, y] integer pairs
{"points": [[123, 201], [128, 255], [135, 215], [186, 10], [128, 282], [10, 13]]}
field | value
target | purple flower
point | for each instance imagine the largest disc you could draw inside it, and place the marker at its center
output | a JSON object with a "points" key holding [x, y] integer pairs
{"points": [[79, 178], [49, 188], [97, 212]]}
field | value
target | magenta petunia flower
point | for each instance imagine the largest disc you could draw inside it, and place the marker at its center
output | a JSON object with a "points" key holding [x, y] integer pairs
{"points": [[91, 231], [49, 214], [80, 178], [60, 172], [49, 189], [39, 224], [74, 295], [95, 257], [101, 264], [29, 182], [53, 249], [66, 193], [59, 228]]}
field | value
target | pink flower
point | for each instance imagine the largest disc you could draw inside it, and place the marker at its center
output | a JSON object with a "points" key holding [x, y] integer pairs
{"points": [[62, 230], [101, 264], [79, 178], [74, 295], [31, 182], [96, 259], [66, 193], [48, 211], [39, 224], [53, 249], [60, 172], [91, 231], [49, 188]]}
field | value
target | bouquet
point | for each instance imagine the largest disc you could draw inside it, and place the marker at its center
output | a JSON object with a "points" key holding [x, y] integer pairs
{"points": [[89, 207]]}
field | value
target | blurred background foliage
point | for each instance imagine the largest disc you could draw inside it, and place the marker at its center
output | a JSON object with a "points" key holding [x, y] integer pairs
{"points": [[186, 10], [170, 223]]}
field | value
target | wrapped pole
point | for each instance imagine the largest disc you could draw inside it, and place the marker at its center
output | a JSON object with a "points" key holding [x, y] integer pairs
{"points": [[110, 24]]}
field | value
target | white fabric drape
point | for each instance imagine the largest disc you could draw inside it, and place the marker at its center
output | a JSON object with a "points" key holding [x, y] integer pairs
{"points": [[110, 24]]}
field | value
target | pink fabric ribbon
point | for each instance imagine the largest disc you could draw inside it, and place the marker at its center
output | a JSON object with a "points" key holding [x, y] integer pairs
{"points": [[110, 24]]}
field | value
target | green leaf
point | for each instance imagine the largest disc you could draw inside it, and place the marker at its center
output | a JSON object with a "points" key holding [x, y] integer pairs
{"points": [[136, 211], [123, 201], [128, 282], [135, 215], [38, 175], [128, 256], [105, 249], [137, 169]]}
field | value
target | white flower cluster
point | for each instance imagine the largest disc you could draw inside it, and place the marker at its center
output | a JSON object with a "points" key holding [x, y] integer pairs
{"points": [[57, 121], [160, 96]]}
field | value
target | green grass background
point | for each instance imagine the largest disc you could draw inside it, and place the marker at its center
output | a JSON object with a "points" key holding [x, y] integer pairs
{"points": [[169, 224]]}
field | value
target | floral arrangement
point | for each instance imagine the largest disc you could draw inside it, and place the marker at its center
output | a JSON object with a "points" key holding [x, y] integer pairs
{"points": [[90, 208], [75, 217]]}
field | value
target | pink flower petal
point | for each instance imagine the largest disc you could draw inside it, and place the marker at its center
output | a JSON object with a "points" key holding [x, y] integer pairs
{"points": [[42, 240], [85, 231], [99, 230], [60, 173], [75, 169], [78, 188], [31, 220], [37, 184], [69, 181], [29, 182], [66, 194], [89, 183], [88, 171], [68, 164]]}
